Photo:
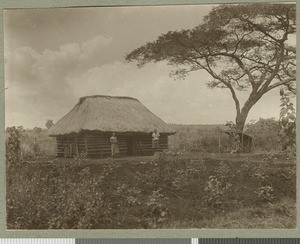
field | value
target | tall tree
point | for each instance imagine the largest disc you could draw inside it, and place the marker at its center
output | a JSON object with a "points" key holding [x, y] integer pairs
{"points": [[241, 46]]}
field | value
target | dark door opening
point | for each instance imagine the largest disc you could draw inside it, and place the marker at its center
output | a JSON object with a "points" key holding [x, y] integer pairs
{"points": [[130, 146]]}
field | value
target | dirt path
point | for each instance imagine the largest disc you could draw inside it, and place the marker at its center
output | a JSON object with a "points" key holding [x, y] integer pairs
{"points": [[186, 156]]}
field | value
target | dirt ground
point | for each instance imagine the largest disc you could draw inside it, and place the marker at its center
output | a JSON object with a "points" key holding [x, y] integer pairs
{"points": [[227, 157]]}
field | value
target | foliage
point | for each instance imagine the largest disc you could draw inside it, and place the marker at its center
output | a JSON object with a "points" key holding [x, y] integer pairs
{"points": [[222, 171], [234, 139], [273, 215], [27, 152], [82, 157], [63, 194], [269, 158], [287, 123], [196, 138], [158, 205], [49, 123], [167, 155], [191, 172], [265, 133], [37, 144], [20, 128], [259, 170], [13, 149], [265, 193], [205, 144], [241, 46], [216, 191], [217, 186], [205, 138], [37, 129]]}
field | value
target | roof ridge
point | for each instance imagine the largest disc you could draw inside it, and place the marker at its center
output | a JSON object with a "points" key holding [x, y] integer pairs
{"points": [[108, 96]]}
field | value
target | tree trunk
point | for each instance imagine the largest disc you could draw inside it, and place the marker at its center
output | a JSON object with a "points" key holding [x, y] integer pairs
{"points": [[240, 121], [241, 117]]}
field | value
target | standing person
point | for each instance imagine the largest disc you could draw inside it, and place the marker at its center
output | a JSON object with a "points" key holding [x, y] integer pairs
{"points": [[155, 140], [114, 145]]}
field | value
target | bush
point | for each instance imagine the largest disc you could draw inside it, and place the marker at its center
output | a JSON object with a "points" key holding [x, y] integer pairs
{"points": [[27, 152], [287, 123], [218, 186], [266, 134], [157, 203], [190, 173], [195, 138], [13, 149], [37, 144], [259, 170], [265, 193], [205, 138], [205, 144], [216, 191], [167, 156]]}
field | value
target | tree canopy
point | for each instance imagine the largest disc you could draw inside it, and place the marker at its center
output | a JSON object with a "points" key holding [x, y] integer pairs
{"points": [[241, 46], [49, 123]]}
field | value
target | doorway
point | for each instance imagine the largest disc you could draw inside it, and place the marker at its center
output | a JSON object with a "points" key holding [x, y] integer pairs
{"points": [[130, 145]]}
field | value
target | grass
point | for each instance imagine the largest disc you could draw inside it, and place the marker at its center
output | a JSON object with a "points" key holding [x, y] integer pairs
{"points": [[205, 138], [272, 216], [37, 145]]}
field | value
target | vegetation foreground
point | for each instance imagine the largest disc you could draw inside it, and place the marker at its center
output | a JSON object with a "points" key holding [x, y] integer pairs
{"points": [[164, 191]]}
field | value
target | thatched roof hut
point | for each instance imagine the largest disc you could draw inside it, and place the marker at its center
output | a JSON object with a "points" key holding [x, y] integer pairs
{"points": [[88, 126]]}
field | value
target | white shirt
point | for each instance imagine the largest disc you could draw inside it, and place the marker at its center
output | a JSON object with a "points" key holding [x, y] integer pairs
{"points": [[155, 136]]}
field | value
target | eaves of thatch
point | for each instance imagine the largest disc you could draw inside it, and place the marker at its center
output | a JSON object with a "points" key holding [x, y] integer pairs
{"points": [[109, 114]]}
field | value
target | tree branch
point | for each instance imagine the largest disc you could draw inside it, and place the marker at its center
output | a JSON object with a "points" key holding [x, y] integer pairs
{"points": [[261, 29], [213, 74], [285, 82]]}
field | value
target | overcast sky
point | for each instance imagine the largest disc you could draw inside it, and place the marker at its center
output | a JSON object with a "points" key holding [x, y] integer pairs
{"points": [[55, 56]]}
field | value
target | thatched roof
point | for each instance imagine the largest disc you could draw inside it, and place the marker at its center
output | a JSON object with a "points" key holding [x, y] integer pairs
{"points": [[109, 114]]}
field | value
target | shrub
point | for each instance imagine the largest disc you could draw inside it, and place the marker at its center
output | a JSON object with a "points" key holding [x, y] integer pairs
{"points": [[265, 133], [234, 139], [190, 173], [222, 171], [261, 171], [216, 191], [248, 168], [158, 207], [167, 156], [218, 185], [49, 123], [37, 144], [195, 138], [82, 157], [265, 193], [269, 158], [27, 153], [287, 123], [13, 149]]}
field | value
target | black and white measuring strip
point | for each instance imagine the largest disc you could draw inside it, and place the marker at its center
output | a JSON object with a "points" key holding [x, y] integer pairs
{"points": [[152, 241]]}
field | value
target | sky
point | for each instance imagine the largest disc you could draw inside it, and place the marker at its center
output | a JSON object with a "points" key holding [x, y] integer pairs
{"points": [[55, 56]]}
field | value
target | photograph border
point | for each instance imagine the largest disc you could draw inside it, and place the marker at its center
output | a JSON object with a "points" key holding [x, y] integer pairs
{"points": [[133, 233]]}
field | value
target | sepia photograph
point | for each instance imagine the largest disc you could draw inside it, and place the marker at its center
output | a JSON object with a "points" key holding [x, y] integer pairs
{"points": [[151, 117]]}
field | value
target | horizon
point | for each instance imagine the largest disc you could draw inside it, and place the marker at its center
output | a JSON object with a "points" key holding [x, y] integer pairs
{"points": [[248, 123]]}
